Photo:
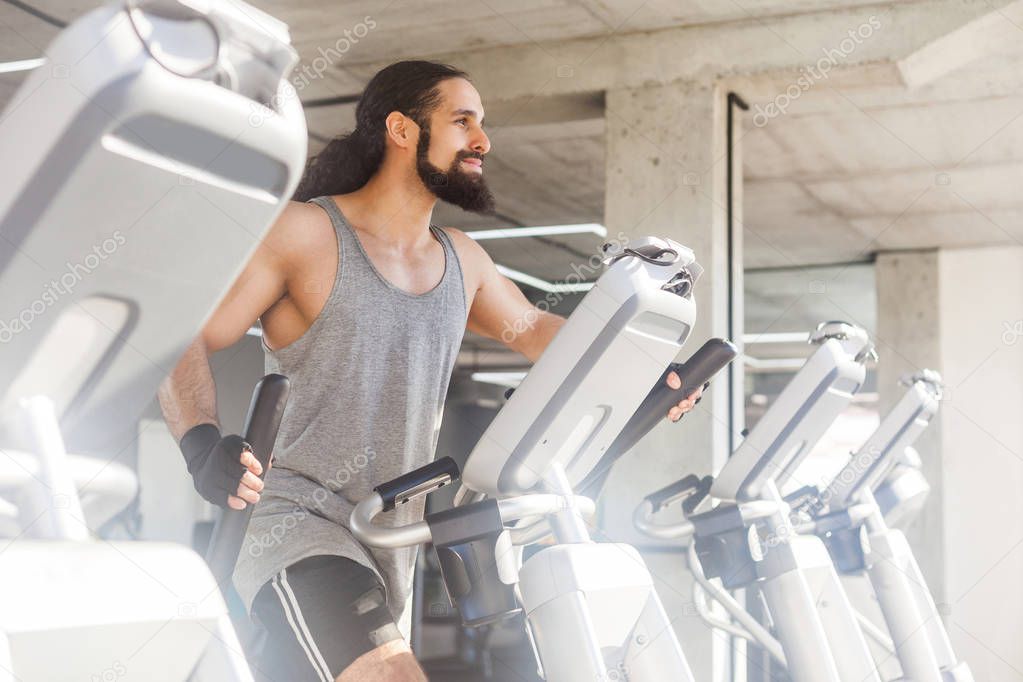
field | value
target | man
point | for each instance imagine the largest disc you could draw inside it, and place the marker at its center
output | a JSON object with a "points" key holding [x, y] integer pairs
{"points": [[363, 305]]}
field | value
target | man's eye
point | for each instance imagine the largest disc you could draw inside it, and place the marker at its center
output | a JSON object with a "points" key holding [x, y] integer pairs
{"points": [[462, 121]]}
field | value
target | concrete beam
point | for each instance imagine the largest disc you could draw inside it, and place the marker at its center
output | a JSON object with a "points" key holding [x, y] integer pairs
{"points": [[501, 114], [986, 35], [534, 110], [814, 41]]}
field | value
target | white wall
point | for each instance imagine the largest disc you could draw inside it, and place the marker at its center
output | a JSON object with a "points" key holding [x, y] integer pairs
{"points": [[957, 311]]}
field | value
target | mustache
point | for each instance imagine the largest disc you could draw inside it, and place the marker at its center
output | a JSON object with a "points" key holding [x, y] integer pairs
{"points": [[469, 155]]}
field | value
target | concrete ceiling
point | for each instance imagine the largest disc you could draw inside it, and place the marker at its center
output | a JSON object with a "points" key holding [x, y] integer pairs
{"points": [[850, 171], [857, 164], [406, 28]]}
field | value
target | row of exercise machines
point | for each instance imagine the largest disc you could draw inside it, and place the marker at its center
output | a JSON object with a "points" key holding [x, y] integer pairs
{"points": [[591, 608], [152, 132]]}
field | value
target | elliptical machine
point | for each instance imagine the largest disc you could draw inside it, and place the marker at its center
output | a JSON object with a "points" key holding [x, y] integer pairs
{"points": [[591, 609], [848, 518], [748, 539]]}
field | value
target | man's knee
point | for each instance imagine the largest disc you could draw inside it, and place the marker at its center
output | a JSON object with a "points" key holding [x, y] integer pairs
{"points": [[389, 662]]}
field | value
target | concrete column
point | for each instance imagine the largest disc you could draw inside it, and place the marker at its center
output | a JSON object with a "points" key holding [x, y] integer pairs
{"points": [[909, 339], [666, 176], [961, 312]]}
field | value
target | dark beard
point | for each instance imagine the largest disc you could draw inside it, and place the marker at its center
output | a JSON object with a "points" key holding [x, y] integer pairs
{"points": [[466, 190]]}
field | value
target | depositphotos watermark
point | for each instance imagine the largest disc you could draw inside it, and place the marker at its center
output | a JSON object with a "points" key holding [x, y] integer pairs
{"points": [[579, 274], [314, 70], [62, 286], [1013, 332], [315, 500], [818, 71], [114, 672]]}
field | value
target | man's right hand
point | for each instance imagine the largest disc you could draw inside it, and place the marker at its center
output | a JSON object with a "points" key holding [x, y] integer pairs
{"points": [[224, 470]]}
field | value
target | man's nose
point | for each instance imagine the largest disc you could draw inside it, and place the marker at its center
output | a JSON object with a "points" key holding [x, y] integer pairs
{"points": [[481, 143]]}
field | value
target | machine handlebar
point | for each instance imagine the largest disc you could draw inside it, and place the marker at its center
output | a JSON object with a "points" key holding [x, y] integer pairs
{"points": [[269, 399], [700, 368], [421, 481], [669, 494], [510, 509], [708, 360]]}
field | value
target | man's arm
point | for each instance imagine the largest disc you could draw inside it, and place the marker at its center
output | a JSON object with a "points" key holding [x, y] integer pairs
{"points": [[222, 470], [500, 311], [188, 396]]}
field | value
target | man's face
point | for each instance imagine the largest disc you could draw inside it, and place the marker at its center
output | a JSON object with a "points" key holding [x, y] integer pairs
{"points": [[449, 154]]}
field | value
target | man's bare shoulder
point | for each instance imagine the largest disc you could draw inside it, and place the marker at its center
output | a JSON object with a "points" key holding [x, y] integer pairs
{"points": [[301, 232], [469, 249]]}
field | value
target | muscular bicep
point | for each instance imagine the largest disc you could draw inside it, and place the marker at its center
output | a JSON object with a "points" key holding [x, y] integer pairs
{"points": [[255, 290], [500, 311], [261, 283]]}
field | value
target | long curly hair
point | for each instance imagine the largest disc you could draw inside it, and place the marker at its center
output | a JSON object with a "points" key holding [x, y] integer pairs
{"points": [[349, 161]]}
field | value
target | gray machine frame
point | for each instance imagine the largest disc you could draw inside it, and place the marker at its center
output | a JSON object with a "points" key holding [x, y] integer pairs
{"points": [[136, 184], [141, 191]]}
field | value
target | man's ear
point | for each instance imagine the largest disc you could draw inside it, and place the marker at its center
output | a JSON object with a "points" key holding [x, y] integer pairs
{"points": [[400, 129]]}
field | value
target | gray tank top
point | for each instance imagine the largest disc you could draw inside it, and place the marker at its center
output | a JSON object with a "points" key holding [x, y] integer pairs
{"points": [[368, 381]]}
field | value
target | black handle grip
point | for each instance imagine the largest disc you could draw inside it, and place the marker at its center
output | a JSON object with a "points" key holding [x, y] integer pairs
{"points": [[711, 358], [261, 424], [676, 491], [425, 479], [690, 504]]}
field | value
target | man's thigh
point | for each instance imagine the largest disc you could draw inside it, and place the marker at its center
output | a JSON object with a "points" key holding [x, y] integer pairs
{"points": [[320, 615]]}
